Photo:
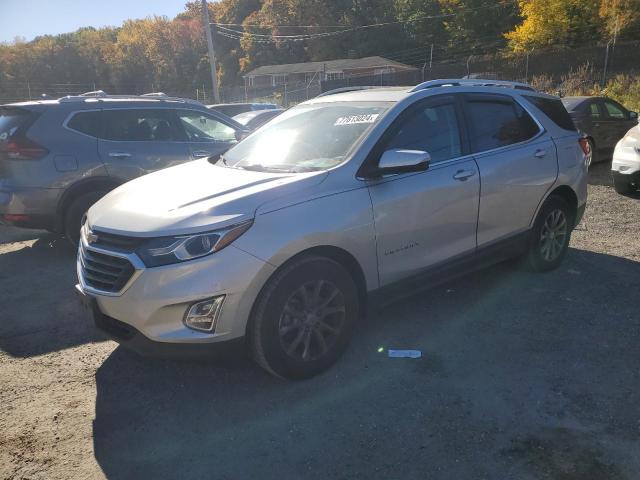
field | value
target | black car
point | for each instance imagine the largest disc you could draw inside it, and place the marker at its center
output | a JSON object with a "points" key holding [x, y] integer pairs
{"points": [[603, 120]]}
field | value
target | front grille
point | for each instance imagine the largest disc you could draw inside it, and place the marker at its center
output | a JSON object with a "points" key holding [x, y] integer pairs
{"points": [[104, 272], [119, 243]]}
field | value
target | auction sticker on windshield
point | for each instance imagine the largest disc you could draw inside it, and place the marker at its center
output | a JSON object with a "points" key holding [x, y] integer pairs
{"points": [[351, 119]]}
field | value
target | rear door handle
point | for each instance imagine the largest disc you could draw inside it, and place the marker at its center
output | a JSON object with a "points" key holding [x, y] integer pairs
{"points": [[119, 154], [201, 154], [540, 153], [462, 175]]}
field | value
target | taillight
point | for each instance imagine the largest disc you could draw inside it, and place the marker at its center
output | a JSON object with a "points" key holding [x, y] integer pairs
{"points": [[22, 148], [585, 146]]}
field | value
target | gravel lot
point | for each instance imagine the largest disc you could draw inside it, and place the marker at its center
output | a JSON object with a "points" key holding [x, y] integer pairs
{"points": [[523, 376]]}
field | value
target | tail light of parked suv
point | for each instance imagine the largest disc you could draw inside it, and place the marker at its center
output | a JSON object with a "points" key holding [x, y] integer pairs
{"points": [[23, 148], [584, 145]]}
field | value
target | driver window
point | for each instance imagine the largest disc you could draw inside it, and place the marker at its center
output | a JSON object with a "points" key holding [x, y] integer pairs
{"points": [[202, 128], [433, 129]]}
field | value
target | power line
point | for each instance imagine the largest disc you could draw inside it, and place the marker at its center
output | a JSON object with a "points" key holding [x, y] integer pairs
{"points": [[232, 33]]}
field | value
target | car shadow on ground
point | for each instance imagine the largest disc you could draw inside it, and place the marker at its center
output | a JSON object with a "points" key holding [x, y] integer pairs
{"points": [[522, 376], [39, 311], [600, 174]]}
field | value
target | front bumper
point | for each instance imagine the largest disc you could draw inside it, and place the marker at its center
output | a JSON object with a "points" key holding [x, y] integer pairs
{"points": [[153, 306], [132, 339], [631, 178]]}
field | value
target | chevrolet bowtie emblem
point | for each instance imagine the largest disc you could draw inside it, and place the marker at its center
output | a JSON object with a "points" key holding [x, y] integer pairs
{"points": [[91, 237]]}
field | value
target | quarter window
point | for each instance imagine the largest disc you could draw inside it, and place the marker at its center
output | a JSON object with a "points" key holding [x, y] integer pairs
{"points": [[555, 110], [133, 125], [433, 129], [202, 128], [614, 111], [86, 122], [498, 123]]}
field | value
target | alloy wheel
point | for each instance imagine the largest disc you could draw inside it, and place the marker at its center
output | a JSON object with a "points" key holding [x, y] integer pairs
{"points": [[312, 320], [553, 235]]}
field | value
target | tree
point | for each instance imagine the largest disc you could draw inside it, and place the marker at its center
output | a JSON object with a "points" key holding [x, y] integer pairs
{"points": [[550, 23]]}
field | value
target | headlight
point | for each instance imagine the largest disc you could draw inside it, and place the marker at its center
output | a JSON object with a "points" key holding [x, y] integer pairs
{"points": [[167, 250]]}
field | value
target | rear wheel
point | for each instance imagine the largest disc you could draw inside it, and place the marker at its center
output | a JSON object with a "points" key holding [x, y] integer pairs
{"points": [[304, 318], [76, 212], [550, 236]]}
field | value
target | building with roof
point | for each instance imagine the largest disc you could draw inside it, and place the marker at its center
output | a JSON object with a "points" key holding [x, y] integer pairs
{"points": [[310, 73]]}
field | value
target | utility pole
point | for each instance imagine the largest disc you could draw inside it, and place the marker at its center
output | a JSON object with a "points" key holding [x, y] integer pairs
{"points": [[431, 57], [212, 54], [606, 60]]}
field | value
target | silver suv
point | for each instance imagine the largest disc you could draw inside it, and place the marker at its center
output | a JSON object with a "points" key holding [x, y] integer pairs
{"points": [[346, 198], [57, 157]]}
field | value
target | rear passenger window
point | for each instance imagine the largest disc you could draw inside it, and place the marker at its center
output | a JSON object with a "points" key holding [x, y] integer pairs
{"points": [[594, 110], [132, 125], [431, 129], [86, 122], [555, 110], [498, 123]]}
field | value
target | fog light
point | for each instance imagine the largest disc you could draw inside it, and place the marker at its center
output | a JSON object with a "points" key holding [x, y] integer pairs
{"points": [[203, 315]]}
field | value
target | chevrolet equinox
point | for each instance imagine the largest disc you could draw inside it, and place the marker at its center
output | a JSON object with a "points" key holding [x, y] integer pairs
{"points": [[279, 243]]}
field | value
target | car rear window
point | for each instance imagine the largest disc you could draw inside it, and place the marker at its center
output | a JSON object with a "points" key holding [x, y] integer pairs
{"points": [[86, 122], [11, 119], [555, 110]]}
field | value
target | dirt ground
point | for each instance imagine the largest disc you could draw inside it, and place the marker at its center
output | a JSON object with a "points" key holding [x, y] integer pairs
{"points": [[523, 376]]}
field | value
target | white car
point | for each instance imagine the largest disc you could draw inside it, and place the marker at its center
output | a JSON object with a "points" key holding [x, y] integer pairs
{"points": [[346, 198], [625, 167]]}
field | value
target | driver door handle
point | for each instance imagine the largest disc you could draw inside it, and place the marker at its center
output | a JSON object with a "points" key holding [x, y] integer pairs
{"points": [[462, 175], [540, 153]]}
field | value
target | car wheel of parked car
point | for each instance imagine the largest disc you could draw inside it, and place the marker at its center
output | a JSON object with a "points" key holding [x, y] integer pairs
{"points": [[304, 318], [622, 186], [592, 157], [75, 213], [550, 236]]}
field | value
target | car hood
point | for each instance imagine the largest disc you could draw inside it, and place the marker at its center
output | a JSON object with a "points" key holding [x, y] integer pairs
{"points": [[190, 198]]}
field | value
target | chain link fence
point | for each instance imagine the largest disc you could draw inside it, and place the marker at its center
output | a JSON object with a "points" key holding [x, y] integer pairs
{"points": [[549, 70]]}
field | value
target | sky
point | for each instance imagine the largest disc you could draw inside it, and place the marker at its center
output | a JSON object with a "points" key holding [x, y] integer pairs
{"points": [[30, 18]]}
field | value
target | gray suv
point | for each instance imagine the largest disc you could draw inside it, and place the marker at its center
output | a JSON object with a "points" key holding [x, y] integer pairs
{"points": [[58, 157]]}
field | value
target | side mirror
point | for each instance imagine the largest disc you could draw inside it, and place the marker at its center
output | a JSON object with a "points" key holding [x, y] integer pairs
{"points": [[242, 134], [633, 115], [403, 161]]}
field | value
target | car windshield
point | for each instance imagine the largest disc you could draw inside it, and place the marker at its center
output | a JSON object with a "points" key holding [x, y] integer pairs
{"points": [[306, 138]]}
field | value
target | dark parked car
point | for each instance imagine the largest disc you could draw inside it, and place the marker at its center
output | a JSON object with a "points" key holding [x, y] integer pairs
{"points": [[233, 109], [255, 119], [603, 120], [58, 157]]}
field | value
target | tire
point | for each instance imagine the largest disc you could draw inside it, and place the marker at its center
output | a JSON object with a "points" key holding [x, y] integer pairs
{"points": [[593, 157], [550, 235], [75, 214], [622, 186], [288, 334]]}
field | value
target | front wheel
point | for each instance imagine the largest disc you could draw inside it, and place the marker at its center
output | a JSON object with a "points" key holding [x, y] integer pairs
{"points": [[304, 318], [550, 235]]}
